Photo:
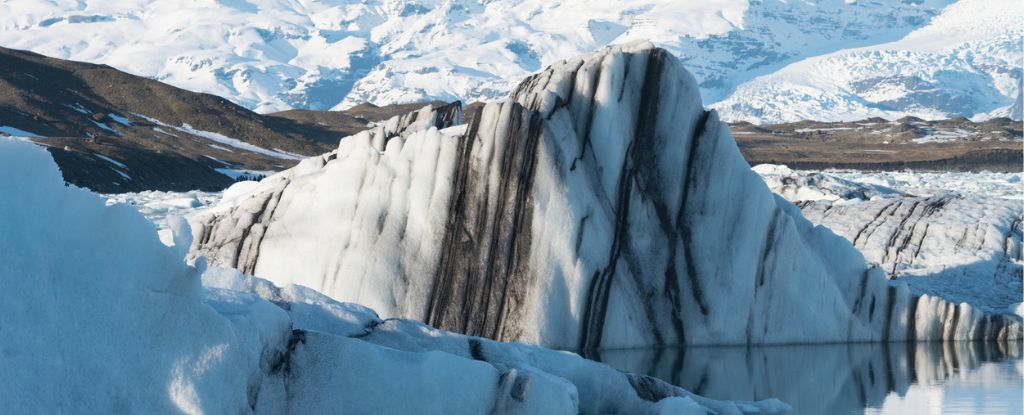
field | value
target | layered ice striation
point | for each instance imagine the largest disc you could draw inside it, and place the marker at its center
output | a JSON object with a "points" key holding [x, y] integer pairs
{"points": [[960, 248], [93, 303], [963, 245], [600, 206]]}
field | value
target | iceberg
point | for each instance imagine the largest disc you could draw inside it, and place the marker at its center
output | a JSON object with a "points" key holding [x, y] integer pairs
{"points": [[600, 206], [98, 316]]}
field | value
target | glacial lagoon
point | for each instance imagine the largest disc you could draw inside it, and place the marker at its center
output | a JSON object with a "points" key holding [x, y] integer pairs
{"points": [[875, 379]]}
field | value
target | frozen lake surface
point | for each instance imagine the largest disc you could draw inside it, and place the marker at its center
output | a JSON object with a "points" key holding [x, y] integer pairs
{"points": [[896, 378]]}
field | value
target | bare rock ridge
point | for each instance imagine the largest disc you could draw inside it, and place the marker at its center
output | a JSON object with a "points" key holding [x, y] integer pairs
{"points": [[115, 132], [600, 206], [955, 144]]}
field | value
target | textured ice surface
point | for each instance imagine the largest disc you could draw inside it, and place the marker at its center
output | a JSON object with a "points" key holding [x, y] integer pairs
{"points": [[599, 206], [808, 185], [964, 62], [984, 184], [98, 316], [849, 378], [952, 235], [93, 302]]}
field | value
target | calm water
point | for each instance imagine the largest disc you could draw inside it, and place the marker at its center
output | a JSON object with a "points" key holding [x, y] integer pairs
{"points": [[899, 378]]}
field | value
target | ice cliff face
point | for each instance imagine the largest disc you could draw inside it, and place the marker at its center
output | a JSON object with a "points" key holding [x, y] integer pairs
{"points": [[93, 303], [600, 206]]}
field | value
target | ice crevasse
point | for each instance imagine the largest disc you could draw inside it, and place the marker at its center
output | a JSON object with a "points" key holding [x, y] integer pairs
{"points": [[599, 206]]}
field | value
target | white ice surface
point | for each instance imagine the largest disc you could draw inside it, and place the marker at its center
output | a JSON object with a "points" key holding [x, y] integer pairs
{"points": [[236, 143], [962, 63], [97, 316], [93, 303]]}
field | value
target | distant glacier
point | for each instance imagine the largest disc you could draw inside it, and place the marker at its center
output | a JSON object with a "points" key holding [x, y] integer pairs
{"points": [[764, 61]]}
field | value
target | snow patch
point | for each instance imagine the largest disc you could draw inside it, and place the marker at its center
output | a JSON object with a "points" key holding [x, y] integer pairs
{"points": [[15, 132], [119, 119], [111, 161], [236, 143], [105, 127]]}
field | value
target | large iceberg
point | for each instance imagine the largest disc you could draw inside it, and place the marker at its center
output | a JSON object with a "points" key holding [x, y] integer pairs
{"points": [[600, 206], [98, 316]]}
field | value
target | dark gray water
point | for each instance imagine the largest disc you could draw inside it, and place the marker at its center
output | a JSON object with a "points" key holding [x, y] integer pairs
{"points": [[898, 378]]}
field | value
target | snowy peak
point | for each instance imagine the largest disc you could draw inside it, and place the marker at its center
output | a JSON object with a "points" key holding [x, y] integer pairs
{"points": [[271, 55], [965, 62], [600, 206]]}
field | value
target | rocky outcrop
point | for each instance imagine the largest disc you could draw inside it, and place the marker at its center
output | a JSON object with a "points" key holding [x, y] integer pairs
{"points": [[600, 206]]}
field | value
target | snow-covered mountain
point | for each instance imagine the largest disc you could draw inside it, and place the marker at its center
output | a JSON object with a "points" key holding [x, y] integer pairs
{"points": [[967, 61], [277, 54]]}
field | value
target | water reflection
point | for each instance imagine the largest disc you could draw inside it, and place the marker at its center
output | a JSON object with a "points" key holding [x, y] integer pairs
{"points": [[844, 378]]}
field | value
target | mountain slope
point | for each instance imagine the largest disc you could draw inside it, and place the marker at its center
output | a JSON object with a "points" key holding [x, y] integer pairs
{"points": [[967, 61], [273, 55], [115, 132]]}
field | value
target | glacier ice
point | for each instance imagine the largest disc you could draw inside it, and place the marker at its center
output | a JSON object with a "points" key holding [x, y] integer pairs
{"points": [[963, 63], [962, 246], [965, 249], [805, 186], [98, 316], [600, 206]]}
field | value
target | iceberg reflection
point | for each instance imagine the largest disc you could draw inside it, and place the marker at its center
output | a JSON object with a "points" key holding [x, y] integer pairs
{"points": [[961, 377]]}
